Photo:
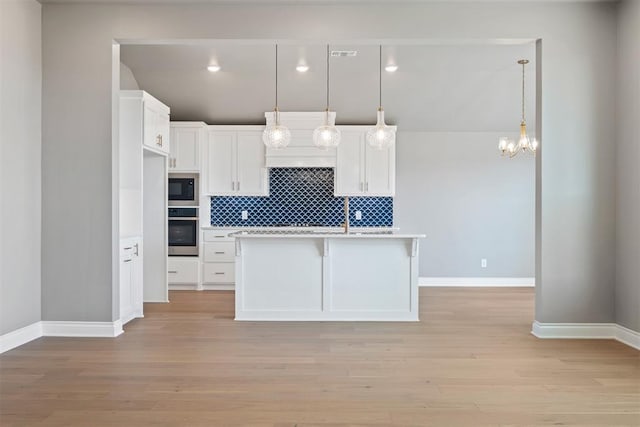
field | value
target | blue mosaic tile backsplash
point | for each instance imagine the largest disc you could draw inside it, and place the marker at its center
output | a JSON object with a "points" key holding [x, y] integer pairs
{"points": [[300, 196]]}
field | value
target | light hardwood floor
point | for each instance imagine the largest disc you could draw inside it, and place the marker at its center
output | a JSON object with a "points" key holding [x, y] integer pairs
{"points": [[471, 361]]}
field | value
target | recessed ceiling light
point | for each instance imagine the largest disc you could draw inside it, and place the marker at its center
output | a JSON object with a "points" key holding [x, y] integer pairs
{"points": [[391, 68], [302, 68], [213, 68]]}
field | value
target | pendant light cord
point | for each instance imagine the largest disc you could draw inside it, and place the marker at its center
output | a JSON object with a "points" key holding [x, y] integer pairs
{"points": [[380, 80], [276, 76], [327, 78]]}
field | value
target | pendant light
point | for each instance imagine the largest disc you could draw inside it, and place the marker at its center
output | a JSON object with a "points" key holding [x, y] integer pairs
{"points": [[508, 145], [326, 135], [276, 135], [381, 136]]}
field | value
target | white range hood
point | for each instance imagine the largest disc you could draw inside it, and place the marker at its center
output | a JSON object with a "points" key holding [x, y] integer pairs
{"points": [[301, 152]]}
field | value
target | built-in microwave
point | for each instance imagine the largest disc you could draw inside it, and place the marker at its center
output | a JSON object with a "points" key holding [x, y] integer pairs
{"points": [[183, 189], [183, 231]]}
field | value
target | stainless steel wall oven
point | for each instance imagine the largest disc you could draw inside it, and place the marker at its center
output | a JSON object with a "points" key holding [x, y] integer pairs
{"points": [[183, 231]]}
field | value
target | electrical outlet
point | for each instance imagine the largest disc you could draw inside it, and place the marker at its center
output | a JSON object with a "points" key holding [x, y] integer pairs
{"points": [[358, 215], [483, 263], [245, 214]]}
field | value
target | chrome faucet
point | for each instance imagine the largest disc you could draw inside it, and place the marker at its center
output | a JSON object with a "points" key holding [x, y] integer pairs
{"points": [[346, 214]]}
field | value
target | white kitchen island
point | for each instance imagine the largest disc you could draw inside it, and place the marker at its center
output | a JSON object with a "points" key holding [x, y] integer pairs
{"points": [[316, 276]]}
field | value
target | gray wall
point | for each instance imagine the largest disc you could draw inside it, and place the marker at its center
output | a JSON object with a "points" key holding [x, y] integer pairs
{"points": [[628, 149], [577, 166], [469, 201], [20, 139]]}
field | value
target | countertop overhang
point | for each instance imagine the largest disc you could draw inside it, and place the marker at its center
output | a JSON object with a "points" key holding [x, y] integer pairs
{"points": [[304, 234]]}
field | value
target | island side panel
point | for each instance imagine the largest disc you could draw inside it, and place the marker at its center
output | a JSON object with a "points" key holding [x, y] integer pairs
{"points": [[372, 277], [279, 279]]}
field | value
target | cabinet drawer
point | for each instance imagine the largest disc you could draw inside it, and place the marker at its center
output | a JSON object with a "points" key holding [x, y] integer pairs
{"points": [[183, 271], [219, 252], [219, 272], [218, 235]]}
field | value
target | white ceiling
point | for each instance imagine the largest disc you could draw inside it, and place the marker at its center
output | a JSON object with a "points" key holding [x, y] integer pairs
{"points": [[436, 88]]}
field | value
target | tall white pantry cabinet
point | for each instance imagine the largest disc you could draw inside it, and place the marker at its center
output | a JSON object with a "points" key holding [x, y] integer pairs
{"points": [[143, 147]]}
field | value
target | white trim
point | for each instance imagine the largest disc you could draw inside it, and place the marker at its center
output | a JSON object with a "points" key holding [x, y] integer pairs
{"points": [[628, 337], [611, 331], [221, 287], [81, 329], [477, 281], [21, 336]]}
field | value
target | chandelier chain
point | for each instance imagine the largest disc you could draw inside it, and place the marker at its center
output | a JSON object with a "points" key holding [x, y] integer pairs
{"points": [[523, 65]]}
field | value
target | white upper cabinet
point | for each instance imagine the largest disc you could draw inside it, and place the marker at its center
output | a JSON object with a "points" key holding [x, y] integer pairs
{"points": [[251, 171], [362, 170], [186, 140], [156, 124], [221, 164], [235, 163]]}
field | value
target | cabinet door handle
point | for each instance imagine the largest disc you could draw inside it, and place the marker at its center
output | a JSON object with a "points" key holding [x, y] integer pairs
{"points": [[127, 260], [238, 185], [366, 186], [219, 252], [172, 271], [137, 249], [159, 140], [218, 273], [219, 237]]}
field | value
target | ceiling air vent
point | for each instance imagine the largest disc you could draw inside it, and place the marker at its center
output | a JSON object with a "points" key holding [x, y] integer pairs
{"points": [[344, 52]]}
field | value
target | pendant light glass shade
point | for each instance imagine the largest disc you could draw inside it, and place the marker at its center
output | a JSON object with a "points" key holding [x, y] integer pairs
{"points": [[276, 135], [509, 147], [381, 136], [326, 135]]}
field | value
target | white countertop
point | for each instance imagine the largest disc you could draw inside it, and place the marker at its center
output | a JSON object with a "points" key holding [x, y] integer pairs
{"points": [[307, 234], [292, 228]]}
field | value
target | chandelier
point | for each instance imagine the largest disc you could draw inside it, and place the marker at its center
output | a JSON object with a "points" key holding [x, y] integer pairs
{"points": [[508, 146]]}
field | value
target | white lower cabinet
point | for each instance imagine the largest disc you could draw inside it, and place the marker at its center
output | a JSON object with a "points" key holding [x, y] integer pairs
{"points": [[131, 280], [219, 252], [219, 267], [219, 272], [184, 270]]}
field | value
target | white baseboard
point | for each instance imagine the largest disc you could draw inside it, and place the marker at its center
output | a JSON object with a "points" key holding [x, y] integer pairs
{"points": [[611, 331], [20, 336], [628, 336], [81, 329], [218, 287], [477, 281], [181, 287]]}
